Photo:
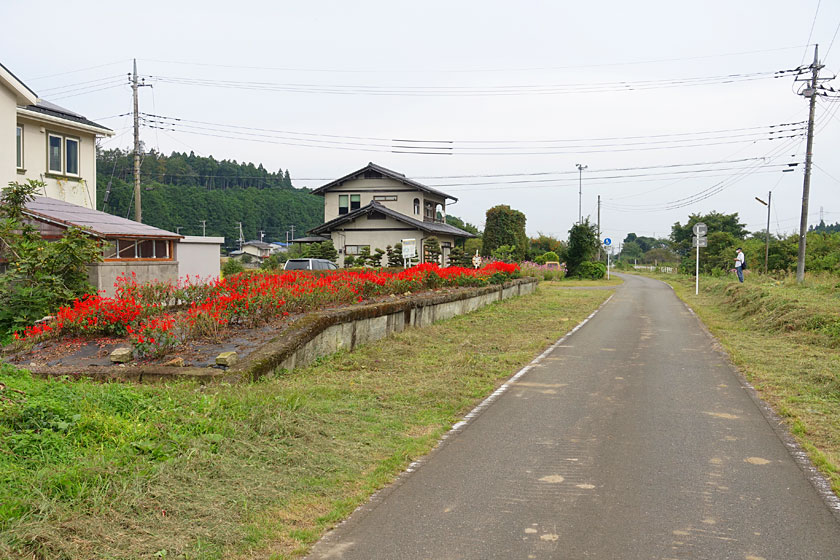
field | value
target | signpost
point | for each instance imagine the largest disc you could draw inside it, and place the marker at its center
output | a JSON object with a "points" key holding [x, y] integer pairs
{"points": [[699, 240], [607, 243], [476, 260], [409, 251]]}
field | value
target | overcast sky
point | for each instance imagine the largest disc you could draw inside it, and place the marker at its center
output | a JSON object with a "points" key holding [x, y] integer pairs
{"points": [[669, 104]]}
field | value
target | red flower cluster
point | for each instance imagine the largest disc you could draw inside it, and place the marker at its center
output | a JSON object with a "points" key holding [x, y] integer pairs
{"points": [[159, 316]]}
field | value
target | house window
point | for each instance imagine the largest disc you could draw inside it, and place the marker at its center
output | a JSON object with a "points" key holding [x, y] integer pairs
{"points": [[416, 206], [343, 204], [429, 213], [355, 202], [71, 156], [355, 249], [54, 153], [19, 146], [62, 154], [386, 198], [136, 249]]}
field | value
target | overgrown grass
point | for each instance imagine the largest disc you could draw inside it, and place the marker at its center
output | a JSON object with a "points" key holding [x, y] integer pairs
{"points": [[260, 470], [785, 338]]}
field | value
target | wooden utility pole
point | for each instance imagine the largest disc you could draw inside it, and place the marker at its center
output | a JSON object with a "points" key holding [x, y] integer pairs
{"points": [[810, 92]]}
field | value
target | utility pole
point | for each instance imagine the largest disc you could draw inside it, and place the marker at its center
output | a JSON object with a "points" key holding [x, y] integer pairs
{"points": [[767, 231], [810, 91], [599, 228], [293, 232], [203, 228], [138, 212], [241, 236], [262, 234], [580, 191]]}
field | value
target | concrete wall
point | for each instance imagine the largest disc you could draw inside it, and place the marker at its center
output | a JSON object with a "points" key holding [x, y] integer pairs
{"points": [[199, 257], [79, 190], [8, 120], [349, 335], [103, 275]]}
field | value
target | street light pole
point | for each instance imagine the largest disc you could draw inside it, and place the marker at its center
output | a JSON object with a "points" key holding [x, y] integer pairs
{"points": [[580, 191]]}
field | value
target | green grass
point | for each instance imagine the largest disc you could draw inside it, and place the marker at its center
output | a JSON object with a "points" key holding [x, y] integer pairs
{"points": [[785, 338], [259, 470]]}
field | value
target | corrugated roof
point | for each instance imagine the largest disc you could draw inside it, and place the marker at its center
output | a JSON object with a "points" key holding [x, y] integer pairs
{"points": [[431, 227], [99, 223], [386, 172]]}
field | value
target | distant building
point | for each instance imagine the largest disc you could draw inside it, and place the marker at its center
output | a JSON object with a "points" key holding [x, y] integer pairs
{"points": [[40, 140], [375, 207]]}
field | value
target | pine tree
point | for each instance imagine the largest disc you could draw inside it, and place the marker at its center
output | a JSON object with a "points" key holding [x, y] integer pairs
{"points": [[432, 250]]}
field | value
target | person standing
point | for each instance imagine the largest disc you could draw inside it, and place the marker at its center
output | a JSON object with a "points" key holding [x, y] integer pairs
{"points": [[739, 265]]}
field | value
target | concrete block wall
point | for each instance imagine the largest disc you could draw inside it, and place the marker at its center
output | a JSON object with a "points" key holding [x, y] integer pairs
{"points": [[355, 332]]}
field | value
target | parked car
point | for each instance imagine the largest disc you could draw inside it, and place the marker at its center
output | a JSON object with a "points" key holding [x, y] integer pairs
{"points": [[309, 264]]}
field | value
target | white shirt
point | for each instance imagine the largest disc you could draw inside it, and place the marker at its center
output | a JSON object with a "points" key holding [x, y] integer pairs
{"points": [[739, 260]]}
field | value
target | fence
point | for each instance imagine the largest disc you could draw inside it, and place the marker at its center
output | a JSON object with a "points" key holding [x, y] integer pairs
{"points": [[665, 269]]}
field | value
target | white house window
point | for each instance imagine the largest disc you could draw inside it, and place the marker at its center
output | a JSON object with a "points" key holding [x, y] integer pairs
{"points": [[355, 202], [19, 147], [343, 204], [355, 249], [62, 155], [416, 206], [385, 198], [54, 154], [71, 156]]}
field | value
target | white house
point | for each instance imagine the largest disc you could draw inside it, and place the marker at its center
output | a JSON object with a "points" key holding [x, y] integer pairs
{"points": [[40, 140], [375, 207]]}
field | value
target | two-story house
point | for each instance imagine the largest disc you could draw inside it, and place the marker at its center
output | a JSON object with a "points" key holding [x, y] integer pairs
{"points": [[40, 140], [375, 207]]}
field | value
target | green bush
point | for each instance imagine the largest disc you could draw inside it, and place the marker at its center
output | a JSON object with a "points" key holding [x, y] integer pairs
{"points": [[231, 267], [591, 270]]}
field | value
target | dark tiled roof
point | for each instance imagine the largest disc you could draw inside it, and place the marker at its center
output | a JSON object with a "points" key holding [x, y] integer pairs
{"points": [[99, 223], [430, 227], [259, 244], [387, 173], [313, 239], [53, 110]]}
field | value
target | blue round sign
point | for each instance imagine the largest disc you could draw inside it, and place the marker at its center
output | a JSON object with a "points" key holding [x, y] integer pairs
{"points": [[607, 241]]}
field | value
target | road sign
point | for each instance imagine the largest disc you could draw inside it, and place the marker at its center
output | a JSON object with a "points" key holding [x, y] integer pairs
{"points": [[700, 241], [607, 241], [700, 230]]}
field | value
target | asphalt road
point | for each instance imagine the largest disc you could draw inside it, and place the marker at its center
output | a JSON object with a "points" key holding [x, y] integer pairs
{"points": [[633, 438]]}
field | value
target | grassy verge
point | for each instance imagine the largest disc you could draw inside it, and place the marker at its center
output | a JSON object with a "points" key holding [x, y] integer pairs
{"points": [[785, 337], [248, 471]]}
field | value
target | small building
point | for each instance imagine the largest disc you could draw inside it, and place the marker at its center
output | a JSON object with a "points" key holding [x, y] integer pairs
{"points": [[199, 258], [128, 247], [40, 140], [375, 207], [258, 249]]}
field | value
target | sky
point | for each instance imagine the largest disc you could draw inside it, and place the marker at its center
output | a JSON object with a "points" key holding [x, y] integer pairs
{"points": [[674, 108]]}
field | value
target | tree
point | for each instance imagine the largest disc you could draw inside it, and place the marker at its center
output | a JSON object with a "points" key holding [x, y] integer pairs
{"points": [[631, 250], [431, 250], [583, 245], [41, 275], [458, 257], [328, 251], [460, 224], [715, 221], [505, 226], [394, 255], [375, 260], [545, 243]]}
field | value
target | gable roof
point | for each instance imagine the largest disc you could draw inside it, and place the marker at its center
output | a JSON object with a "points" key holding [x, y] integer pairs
{"points": [[22, 93], [259, 244], [100, 224], [385, 172], [430, 227]]}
